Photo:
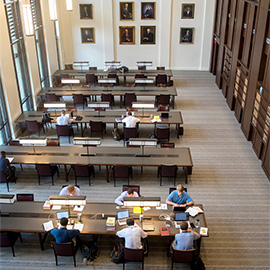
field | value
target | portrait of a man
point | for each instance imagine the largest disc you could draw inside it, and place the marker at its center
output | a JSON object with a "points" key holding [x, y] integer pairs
{"points": [[88, 35], [86, 12], [148, 11], [126, 11], [127, 34], [188, 11], [187, 35], [148, 34]]}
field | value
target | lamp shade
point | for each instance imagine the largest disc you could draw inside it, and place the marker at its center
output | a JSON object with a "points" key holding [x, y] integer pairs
{"points": [[54, 105], [70, 81], [86, 141], [33, 141], [103, 104], [141, 105]]}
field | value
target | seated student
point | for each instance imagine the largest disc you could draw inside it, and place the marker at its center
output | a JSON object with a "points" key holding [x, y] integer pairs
{"points": [[129, 193], [63, 119], [184, 240], [179, 197], [130, 121], [6, 168], [70, 191], [63, 235], [132, 235]]}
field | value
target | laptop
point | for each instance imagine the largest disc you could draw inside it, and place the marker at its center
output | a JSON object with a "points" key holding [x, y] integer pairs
{"points": [[60, 215], [179, 209], [179, 216], [122, 217], [165, 115]]}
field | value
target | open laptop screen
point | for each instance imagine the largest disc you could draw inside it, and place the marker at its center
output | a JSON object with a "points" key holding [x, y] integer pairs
{"points": [[181, 216], [60, 215], [122, 214]]}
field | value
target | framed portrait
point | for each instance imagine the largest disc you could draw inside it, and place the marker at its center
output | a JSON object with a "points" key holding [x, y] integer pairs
{"points": [[126, 11], [148, 35], [188, 11], [127, 35], [148, 11], [187, 35], [86, 12], [88, 35]]}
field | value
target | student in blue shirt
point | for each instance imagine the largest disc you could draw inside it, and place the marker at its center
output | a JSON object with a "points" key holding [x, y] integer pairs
{"points": [[6, 168], [63, 235], [179, 197]]}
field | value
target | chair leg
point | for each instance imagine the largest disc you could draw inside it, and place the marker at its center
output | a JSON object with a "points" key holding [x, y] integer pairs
{"points": [[39, 180], [21, 167], [75, 180], [128, 180], [114, 182], [143, 264], [160, 180], [7, 185], [12, 248], [123, 264], [56, 261], [52, 181], [89, 181], [74, 259]]}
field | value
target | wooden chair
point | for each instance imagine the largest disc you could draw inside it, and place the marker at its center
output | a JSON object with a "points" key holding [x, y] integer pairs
{"points": [[51, 97], [161, 79], [163, 99], [8, 239], [121, 172], [69, 67], [83, 171], [23, 197], [34, 126], [92, 68], [130, 133], [129, 98], [163, 108], [46, 170], [97, 126], [182, 256], [167, 145], [133, 255], [64, 249], [79, 99], [141, 67], [160, 68], [108, 98], [53, 142], [91, 79], [64, 130], [162, 133], [135, 188], [169, 171]]}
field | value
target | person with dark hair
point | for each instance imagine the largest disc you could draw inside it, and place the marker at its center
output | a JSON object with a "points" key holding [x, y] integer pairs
{"points": [[179, 197], [130, 121], [132, 235], [184, 239], [63, 235], [129, 193], [6, 168]]}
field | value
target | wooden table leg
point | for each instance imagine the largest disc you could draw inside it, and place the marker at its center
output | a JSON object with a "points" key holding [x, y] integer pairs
{"points": [[173, 98], [66, 172], [108, 173], [42, 240], [82, 131], [121, 101]]}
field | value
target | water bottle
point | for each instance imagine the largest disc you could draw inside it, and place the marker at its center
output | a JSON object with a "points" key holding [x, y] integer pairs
{"points": [[197, 223]]}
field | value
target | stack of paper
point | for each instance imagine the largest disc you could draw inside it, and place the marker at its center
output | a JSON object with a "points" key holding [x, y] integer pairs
{"points": [[47, 205], [203, 231], [78, 226], [110, 223], [47, 226]]}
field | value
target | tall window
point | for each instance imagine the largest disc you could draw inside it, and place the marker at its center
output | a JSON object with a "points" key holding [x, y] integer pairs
{"points": [[19, 56], [5, 135], [40, 44]]}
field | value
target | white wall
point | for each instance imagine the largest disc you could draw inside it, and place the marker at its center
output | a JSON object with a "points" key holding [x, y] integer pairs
{"points": [[166, 52]]}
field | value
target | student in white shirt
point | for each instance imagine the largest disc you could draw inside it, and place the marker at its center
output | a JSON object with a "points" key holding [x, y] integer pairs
{"points": [[129, 193], [130, 121], [132, 235], [63, 119], [70, 191]]}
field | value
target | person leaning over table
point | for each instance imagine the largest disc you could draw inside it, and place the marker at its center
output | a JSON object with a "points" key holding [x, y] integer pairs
{"points": [[128, 193], [70, 191], [63, 119], [6, 168], [179, 197], [63, 235]]}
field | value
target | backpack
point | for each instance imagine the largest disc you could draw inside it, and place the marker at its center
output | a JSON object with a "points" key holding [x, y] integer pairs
{"points": [[117, 254], [198, 264], [116, 134], [90, 251]]}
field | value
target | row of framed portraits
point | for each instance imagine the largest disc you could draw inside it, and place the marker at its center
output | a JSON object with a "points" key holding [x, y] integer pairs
{"points": [[148, 11], [148, 35]]}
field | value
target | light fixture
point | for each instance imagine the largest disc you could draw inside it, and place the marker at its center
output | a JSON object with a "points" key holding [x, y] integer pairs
{"points": [[54, 105], [106, 80], [112, 63], [144, 63], [69, 5], [86, 141], [70, 82], [101, 104], [42, 141], [28, 20], [142, 201], [141, 105], [81, 64], [52, 10], [67, 200], [143, 142], [144, 81]]}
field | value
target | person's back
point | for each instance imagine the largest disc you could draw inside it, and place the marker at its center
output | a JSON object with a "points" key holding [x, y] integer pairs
{"points": [[130, 121], [63, 119]]}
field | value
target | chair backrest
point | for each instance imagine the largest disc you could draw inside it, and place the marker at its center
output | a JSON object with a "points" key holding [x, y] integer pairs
{"points": [[141, 67], [163, 108], [100, 109], [140, 76], [63, 249], [168, 170], [160, 68], [107, 97], [69, 67], [78, 98], [161, 78], [44, 169], [130, 133], [163, 133], [20, 197], [92, 68], [32, 126], [15, 143], [4, 240], [112, 76], [164, 99], [121, 171], [171, 189], [135, 188], [96, 126], [134, 255], [41, 109], [3, 178], [130, 97], [53, 142], [50, 97], [81, 170], [91, 78], [183, 256], [64, 76], [167, 145], [62, 130]]}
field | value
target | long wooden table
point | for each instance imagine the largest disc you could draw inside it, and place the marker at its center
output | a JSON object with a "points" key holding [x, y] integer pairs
{"points": [[147, 91], [28, 217], [108, 117], [102, 73], [106, 156]]}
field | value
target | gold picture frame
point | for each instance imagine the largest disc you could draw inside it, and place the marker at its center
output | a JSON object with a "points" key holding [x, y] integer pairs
{"points": [[126, 11], [86, 11], [188, 11], [187, 35], [126, 35], [88, 35], [148, 35], [148, 10]]}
